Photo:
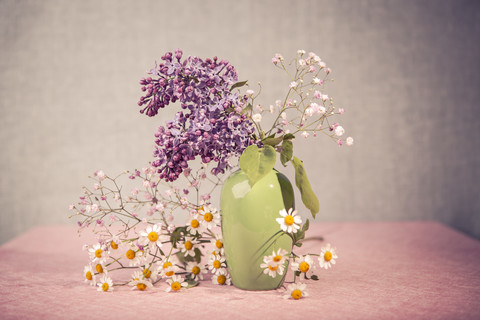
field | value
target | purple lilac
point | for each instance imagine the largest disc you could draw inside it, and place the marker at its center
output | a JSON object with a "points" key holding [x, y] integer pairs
{"points": [[208, 127]]}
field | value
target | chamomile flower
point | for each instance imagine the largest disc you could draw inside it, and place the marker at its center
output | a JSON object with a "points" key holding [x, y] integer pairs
{"points": [[98, 253], [139, 282], [222, 278], [218, 244], [216, 263], [89, 275], [175, 284], [304, 264], [290, 221], [152, 236], [150, 273], [274, 264], [114, 243], [135, 256], [197, 269], [209, 217], [193, 224], [168, 267], [100, 268], [328, 256], [296, 291], [105, 284], [188, 247]]}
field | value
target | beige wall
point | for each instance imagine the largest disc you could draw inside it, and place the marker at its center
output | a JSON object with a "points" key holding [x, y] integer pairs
{"points": [[407, 73]]}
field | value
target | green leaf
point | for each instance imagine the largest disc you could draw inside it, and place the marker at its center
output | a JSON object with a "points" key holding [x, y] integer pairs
{"points": [[247, 109], [239, 84], [287, 152], [308, 197], [314, 277], [272, 140], [288, 136], [257, 162]]}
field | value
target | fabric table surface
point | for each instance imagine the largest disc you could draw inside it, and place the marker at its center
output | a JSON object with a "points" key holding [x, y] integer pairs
{"points": [[385, 270]]}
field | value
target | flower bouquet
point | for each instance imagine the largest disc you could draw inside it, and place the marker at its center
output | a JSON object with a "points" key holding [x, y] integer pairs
{"points": [[219, 129]]}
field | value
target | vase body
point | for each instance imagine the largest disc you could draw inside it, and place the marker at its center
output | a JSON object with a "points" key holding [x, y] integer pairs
{"points": [[248, 225]]}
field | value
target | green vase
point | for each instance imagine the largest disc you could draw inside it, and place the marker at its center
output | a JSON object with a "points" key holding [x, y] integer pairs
{"points": [[248, 225]]}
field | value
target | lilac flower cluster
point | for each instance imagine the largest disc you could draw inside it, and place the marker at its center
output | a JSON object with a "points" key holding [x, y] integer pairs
{"points": [[209, 127]]}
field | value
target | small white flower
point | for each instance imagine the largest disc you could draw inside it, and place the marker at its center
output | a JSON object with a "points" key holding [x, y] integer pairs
{"points": [[290, 221], [349, 141], [222, 278], [274, 264], [152, 236], [188, 247], [194, 225], [197, 269], [100, 174], [209, 216], [296, 291], [176, 283], [321, 110], [283, 115], [304, 264], [135, 257], [328, 256], [302, 62], [105, 284], [249, 93], [293, 85], [168, 267], [218, 244], [324, 97], [257, 117], [216, 263], [89, 275], [98, 253], [305, 134], [300, 52], [139, 282], [339, 131], [316, 80], [272, 110], [150, 273]]}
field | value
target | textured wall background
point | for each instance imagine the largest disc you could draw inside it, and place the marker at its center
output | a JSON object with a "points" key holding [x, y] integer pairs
{"points": [[407, 73]]}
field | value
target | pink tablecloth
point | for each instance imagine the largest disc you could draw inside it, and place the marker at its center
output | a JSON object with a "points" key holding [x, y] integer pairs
{"points": [[391, 270]]}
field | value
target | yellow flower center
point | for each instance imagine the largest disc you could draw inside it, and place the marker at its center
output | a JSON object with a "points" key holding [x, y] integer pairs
{"points": [[219, 244], [208, 217], [194, 223], [277, 258], [141, 286], [296, 294], [114, 245], [195, 270], [99, 268], [188, 245], [88, 275], [105, 286], [288, 220], [153, 236], [166, 265], [273, 268], [98, 253], [216, 264], [201, 208], [304, 267], [327, 256], [130, 254], [221, 279], [170, 273], [147, 273], [176, 286]]}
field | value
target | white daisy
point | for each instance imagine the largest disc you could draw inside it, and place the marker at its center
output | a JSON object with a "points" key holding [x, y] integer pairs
{"points": [[296, 291], [216, 263], [98, 253], [193, 224], [327, 258], [176, 283], [114, 243], [290, 221], [135, 256], [100, 268], [168, 266], [188, 246], [150, 273], [218, 244], [105, 284], [304, 264], [209, 217], [222, 278], [89, 275], [197, 269], [139, 282], [274, 264], [152, 236]]}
